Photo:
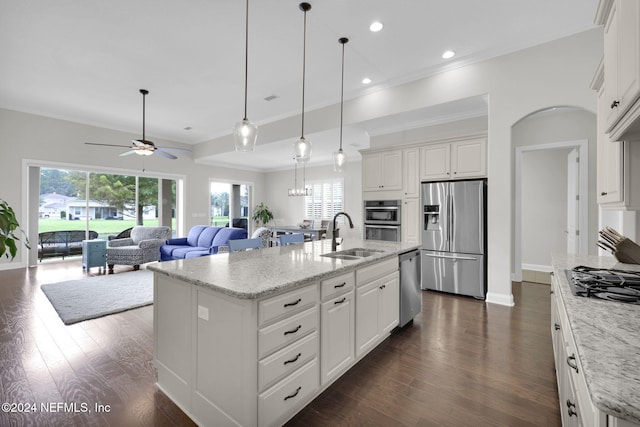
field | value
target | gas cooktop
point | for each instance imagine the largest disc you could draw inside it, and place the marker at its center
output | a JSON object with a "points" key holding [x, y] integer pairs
{"points": [[605, 284]]}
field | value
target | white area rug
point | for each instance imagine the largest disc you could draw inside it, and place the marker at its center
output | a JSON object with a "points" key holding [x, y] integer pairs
{"points": [[78, 300]]}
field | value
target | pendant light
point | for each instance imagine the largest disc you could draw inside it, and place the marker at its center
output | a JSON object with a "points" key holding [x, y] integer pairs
{"points": [[302, 147], [339, 157], [299, 191], [245, 132]]}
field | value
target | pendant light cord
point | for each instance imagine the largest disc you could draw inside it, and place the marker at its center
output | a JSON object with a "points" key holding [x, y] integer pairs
{"points": [[304, 53], [246, 57], [144, 96], [343, 41]]}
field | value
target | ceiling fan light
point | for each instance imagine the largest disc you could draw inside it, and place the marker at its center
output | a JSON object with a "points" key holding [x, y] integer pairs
{"points": [[143, 152], [339, 160], [245, 134], [302, 150]]}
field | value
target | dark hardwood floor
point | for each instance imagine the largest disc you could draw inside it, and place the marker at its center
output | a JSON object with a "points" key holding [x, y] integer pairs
{"points": [[462, 362]]}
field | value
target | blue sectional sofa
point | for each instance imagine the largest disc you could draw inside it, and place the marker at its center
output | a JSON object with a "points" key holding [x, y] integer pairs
{"points": [[202, 240]]}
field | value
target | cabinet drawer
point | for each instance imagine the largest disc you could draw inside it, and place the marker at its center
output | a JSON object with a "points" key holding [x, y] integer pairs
{"points": [[287, 331], [285, 304], [373, 272], [285, 398], [287, 360], [337, 285]]}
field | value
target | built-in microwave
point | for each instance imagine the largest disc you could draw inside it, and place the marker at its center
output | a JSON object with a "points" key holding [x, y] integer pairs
{"points": [[383, 212]]}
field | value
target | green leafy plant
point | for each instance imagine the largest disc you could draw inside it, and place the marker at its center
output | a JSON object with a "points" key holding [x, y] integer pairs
{"points": [[262, 214], [8, 226]]}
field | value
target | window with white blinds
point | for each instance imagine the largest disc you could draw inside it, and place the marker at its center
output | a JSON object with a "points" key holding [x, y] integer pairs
{"points": [[326, 200]]}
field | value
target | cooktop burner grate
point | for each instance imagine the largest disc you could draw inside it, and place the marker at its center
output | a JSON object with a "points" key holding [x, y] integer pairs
{"points": [[612, 285]]}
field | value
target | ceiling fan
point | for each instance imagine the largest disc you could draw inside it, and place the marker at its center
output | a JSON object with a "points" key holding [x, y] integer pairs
{"points": [[142, 147]]}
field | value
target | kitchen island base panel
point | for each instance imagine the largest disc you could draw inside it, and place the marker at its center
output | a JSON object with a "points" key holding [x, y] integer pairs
{"points": [[225, 345]]}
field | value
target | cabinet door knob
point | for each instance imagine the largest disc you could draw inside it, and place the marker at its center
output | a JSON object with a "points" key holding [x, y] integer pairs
{"points": [[614, 104], [604, 193], [556, 326]]}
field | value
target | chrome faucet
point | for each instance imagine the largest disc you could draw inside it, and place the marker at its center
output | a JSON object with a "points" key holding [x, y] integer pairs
{"points": [[334, 244]]}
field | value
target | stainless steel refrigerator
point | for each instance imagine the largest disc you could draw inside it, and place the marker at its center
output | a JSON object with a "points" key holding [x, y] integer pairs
{"points": [[454, 237]]}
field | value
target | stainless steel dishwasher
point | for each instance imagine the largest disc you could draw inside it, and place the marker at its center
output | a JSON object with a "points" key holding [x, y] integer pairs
{"points": [[410, 290]]}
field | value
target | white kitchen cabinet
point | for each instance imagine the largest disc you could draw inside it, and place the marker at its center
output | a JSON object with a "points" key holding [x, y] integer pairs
{"points": [[338, 335], [621, 19], [575, 403], [377, 302], [382, 171], [454, 160], [256, 362], [410, 231], [411, 172], [337, 318], [610, 155]]}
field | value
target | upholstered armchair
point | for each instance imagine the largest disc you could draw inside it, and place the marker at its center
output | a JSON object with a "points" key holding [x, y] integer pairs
{"points": [[143, 246]]}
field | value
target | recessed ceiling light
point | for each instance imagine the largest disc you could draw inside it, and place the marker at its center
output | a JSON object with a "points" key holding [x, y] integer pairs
{"points": [[188, 128], [448, 54], [366, 81], [376, 26]]}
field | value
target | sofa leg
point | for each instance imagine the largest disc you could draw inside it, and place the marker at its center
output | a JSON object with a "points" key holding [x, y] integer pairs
{"points": [[136, 267], [110, 268]]}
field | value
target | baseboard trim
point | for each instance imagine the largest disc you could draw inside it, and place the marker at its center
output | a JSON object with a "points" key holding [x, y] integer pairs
{"points": [[501, 299], [537, 267], [12, 265]]}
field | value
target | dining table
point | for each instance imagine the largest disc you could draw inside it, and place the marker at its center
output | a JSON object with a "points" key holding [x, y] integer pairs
{"points": [[315, 233]]}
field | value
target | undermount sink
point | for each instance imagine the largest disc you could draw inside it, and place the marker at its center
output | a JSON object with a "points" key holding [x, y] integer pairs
{"points": [[355, 253]]}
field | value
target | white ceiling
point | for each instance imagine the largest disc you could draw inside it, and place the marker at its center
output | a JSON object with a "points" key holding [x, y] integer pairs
{"points": [[84, 60]]}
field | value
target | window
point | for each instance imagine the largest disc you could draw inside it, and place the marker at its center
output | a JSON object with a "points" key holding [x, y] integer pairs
{"points": [[326, 200]]}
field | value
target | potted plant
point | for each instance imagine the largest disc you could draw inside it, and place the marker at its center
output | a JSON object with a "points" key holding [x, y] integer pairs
{"points": [[262, 215], [8, 226]]}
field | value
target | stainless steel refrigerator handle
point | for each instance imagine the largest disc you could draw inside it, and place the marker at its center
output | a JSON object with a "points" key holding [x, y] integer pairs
{"points": [[382, 226], [467, 258], [450, 203]]}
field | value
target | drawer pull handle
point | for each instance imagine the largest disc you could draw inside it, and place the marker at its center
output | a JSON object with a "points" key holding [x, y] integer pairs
{"points": [[293, 331], [571, 408], [614, 104], [341, 285], [556, 326], [340, 302], [291, 396], [289, 304], [383, 286], [573, 365], [295, 359]]}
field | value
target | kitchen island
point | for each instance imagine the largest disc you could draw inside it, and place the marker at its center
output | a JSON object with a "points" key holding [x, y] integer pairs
{"points": [[597, 349], [250, 338]]}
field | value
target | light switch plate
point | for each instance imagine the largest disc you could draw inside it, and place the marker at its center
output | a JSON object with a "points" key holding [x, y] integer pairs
{"points": [[203, 312]]}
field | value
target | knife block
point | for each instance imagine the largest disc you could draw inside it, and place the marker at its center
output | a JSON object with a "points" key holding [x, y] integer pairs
{"points": [[628, 252]]}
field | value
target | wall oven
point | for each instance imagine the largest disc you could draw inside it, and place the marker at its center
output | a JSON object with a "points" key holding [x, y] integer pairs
{"points": [[382, 220]]}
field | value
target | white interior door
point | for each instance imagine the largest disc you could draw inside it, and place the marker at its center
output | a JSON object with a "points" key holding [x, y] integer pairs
{"points": [[573, 202]]}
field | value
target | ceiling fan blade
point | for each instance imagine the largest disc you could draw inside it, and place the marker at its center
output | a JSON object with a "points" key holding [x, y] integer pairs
{"points": [[174, 150], [107, 145], [138, 142], [128, 153], [164, 154]]}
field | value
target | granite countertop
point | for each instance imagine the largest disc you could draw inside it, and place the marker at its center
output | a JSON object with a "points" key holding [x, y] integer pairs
{"points": [[607, 336], [268, 271]]}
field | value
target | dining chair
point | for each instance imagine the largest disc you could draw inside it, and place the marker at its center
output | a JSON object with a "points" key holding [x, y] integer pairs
{"points": [[288, 239], [244, 244]]}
